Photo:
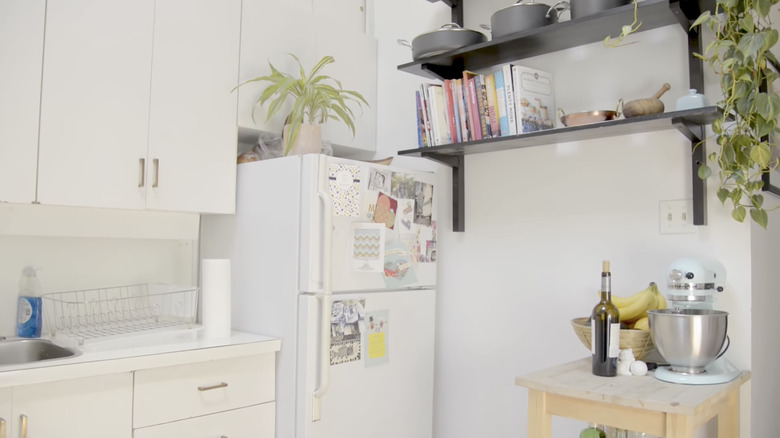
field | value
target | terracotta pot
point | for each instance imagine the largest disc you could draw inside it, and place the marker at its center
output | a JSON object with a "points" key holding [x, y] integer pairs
{"points": [[309, 140]]}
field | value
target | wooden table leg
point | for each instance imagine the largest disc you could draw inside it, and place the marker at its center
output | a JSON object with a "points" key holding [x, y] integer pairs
{"points": [[539, 420], [728, 420], [679, 426]]}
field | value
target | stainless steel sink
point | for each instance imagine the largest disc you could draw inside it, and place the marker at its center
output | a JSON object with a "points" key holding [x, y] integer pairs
{"points": [[17, 351]]}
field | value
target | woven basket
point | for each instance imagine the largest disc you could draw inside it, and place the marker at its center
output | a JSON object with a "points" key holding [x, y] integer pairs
{"points": [[639, 341]]}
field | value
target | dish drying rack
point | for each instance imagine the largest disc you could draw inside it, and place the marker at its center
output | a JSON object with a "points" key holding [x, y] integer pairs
{"points": [[99, 314]]}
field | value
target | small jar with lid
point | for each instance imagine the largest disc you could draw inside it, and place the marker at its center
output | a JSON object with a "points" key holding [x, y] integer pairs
{"points": [[691, 100]]}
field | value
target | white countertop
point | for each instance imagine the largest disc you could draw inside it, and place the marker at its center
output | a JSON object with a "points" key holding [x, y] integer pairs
{"points": [[137, 353]]}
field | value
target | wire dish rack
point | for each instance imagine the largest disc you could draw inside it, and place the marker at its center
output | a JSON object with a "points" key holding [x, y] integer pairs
{"points": [[98, 314]]}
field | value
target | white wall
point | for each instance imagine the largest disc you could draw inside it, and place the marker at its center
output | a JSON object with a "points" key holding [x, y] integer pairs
{"points": [[396, 107], [78, 249], [540, 220]]}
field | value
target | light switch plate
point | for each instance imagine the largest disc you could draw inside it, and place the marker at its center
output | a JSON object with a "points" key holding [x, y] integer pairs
{"points": [[676, 217]]}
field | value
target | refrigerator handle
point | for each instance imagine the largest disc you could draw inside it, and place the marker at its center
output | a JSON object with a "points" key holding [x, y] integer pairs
{"points": [[325, 298]]}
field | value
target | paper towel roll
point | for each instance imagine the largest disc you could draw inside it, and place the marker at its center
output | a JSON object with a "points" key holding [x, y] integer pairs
{"points": [[215, 297]]}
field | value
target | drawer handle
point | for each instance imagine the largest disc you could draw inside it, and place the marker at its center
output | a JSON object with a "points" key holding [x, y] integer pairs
{"points": [[142, 172], [209, 388]]}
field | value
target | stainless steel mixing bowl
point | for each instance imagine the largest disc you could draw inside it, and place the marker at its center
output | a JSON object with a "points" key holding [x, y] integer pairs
{"points": [[689, 339]]}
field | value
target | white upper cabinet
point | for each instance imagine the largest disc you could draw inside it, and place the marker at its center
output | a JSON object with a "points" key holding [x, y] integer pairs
{"points": [[270, 31], [192, 120], [348, 15], [21, 52], [95, 102], [355, 55], [137, 110]]}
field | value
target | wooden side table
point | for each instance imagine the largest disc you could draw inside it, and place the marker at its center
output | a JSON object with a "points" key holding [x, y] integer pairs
{"points": [[644, 404]]}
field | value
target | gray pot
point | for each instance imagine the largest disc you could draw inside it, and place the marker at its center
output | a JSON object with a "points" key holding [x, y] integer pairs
{"points": [[448, 37], [524, 15], [582, 8]]}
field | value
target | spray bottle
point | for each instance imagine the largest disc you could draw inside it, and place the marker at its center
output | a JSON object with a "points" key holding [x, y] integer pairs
{"points": [[29, 321]]}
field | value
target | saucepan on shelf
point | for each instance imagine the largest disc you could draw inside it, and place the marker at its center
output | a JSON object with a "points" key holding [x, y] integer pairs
{"points": [[588, 117], [448, 37], [524, 15]]}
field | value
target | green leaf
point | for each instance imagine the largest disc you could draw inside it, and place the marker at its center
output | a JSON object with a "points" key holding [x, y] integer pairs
{"points": [[763, 7], [761, 154], [703, 18], [759, 216], [738, 213], [757, 200], [723, 195], [752, 44], [704, 171]]}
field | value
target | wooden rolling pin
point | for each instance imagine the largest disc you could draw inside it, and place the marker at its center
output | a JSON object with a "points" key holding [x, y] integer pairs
{"points": [[643, 107]]}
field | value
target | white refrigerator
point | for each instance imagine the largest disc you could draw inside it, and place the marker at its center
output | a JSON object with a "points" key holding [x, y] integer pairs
{"points": [[337, 259]]}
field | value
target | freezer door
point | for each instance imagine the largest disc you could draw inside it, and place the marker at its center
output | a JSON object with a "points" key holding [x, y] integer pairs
{"points": [[342, 203], [381, 371]]}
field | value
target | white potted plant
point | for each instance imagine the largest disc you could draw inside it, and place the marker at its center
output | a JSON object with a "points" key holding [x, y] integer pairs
{"points": [[316, 99]]}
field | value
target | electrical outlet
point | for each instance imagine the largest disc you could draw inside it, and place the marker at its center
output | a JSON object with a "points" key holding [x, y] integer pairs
{"points": [[676, 217]]}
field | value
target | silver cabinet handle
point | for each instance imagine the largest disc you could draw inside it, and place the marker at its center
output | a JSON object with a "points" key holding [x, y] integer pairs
{"points": [[23, 430], [156, 163], [209, 388], [142, 172], [2, 427]]}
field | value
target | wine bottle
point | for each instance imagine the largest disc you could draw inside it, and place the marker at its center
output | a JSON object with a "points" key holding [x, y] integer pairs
{"points": [[605, 329]]}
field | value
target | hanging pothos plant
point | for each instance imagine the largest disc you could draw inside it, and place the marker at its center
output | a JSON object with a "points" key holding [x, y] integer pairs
{"points": [[747, 130]]}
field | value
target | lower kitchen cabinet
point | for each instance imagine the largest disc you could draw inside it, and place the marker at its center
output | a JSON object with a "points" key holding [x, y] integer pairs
{"points": [[252, 422], [6, 410], [90, 407]]}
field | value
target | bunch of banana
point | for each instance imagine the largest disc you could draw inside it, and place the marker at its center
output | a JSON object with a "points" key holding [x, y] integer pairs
{"points": [[633, 309]]}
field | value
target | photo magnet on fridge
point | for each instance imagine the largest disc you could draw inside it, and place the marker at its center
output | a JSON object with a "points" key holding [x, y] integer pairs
{"points": [[345, 338], [385, 211]]}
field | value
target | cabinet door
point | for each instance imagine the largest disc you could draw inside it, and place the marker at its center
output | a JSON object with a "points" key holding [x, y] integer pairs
{"points": [[92, 407], [348, 15], [21, 31], [95, 102], [6, 411], [192, 121], [270, 31], [355, 55]]}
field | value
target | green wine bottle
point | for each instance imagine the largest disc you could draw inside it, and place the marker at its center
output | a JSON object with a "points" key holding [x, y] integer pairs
{"points": [[605, 329]]}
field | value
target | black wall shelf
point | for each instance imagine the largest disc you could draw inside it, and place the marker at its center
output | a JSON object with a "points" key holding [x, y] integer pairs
{"points": [[687, 122], [560, 36], [552, 38]]}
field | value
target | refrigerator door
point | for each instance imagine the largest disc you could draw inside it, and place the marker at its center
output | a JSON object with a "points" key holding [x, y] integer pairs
{"points": [[383, 226], [381, 372]]}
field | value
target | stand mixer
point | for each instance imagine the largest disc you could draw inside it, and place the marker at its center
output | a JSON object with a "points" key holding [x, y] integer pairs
{"points": [[692, 285]]}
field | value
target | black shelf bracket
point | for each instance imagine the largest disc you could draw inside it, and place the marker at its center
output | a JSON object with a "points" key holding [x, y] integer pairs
{"points": [[457, 9], [456, 162]]}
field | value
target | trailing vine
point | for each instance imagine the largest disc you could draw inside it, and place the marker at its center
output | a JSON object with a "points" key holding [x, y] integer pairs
{"points": [[747, 130]]}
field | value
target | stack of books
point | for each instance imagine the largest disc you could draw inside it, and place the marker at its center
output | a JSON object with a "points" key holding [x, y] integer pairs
{"points": [[509, 101]]}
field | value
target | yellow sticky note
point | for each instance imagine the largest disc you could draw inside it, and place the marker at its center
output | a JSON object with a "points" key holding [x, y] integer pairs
{"points": [[376, 345]]}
